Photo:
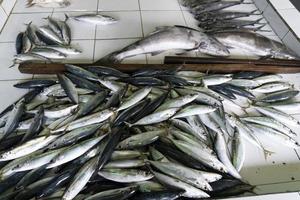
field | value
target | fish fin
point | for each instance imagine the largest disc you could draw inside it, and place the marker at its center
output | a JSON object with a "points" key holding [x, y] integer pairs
{"points": [[128, 124], [14, 64], [29, 3], [256, 10], [156, 53], [66, 17], [267, 153], [186, 27]]}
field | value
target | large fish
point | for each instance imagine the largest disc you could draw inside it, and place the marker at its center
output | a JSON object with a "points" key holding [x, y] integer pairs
{"points": [[167, 38], [255, 44]]}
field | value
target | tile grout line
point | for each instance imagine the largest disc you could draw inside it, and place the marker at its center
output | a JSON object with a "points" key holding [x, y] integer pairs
{"points": [[142, 26], [95, 36], [182, 13]]}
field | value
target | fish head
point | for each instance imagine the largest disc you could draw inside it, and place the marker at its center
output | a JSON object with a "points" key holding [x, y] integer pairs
{"points": [[110, 20], [213, 47]]}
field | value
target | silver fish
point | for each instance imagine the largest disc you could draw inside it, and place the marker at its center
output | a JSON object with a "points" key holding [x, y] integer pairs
{"points": [[171, 38], [96, 19]]}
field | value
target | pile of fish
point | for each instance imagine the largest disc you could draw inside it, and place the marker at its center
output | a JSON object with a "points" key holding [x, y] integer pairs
{"points": [[49, 3], [233, 30], [45, 43], [212, 17], [51, 43], [99, 133]]}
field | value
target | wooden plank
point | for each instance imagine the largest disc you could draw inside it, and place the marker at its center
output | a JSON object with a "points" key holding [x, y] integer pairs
{"points": [[201, 60], [53, 68]]}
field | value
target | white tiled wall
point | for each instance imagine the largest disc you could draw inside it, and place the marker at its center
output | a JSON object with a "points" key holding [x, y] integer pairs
{"points": [[137, 19]]}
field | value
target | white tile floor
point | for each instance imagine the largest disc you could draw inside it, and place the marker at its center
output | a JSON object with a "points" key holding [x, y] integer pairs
{"points": [[137, 19], [289, 13]]}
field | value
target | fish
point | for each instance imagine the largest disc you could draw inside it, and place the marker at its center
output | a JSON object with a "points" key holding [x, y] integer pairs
{"points": [[13, 119], [27, 148], [35, 127], [49, 53], [183, 38], [68, 87], [74, 152], [194, 110], [279, 96], [135, 98], [182, 173], [96, 19], [120, 193], [170, 195], [255, 44], [125, 175], [189, 191], [19, 43], [49, 34], [35, 83], [80, 179], [272, 87], [140, 140], [238, 151], [94, 118]]}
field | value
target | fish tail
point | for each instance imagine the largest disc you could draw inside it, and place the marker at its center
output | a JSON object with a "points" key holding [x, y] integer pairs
{"points": [[258, 21], [258, 12], [128, 124], [30, 3]]}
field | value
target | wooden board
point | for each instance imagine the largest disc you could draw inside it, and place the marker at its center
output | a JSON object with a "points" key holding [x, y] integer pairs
{"points": [[53, 68], [201, 60]]}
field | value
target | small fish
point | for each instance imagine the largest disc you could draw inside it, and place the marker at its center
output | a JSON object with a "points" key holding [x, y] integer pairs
{"points": [[140, 140], [189, 191], [156, 117], [279, 96], [35, 83], [120, 193], [194, 110], [125, 175], [96, 19], [68, 87]]}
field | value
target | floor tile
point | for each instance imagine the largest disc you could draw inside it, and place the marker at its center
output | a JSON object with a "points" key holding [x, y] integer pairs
{"points": [[121, 29], [292, 196], [87, 48], [282, 4], [8, 5], [6, 58], [159, 5], [21, 7], [79, 5], [289, 16], [153, 19], [282, 187], [118, 5], [104, 47], [79, 30], [261, 5], [13, 93], [3, 18], [276, 22], [10, 31], [292, 42]]}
